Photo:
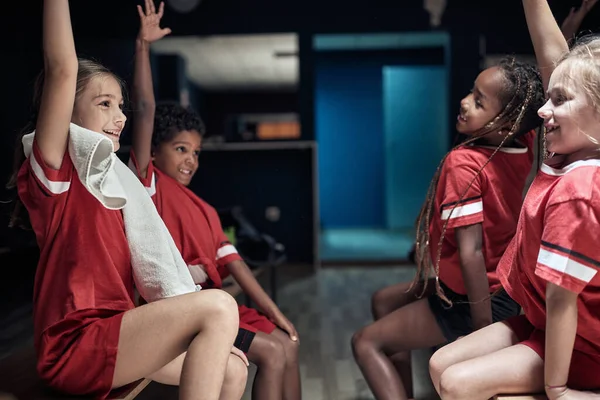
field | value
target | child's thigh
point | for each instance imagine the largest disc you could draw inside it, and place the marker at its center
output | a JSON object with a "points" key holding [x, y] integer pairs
{"points": [[514, 369], [393, 297], [479, 343]]}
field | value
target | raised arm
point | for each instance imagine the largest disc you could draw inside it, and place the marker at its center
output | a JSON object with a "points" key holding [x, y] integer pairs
{"points": [[548, 40], [60, 78], [143, 91], [572, 22]]}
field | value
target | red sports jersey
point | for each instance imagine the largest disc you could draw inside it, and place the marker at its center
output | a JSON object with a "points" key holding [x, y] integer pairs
{"points": [[193, 223], [197, 232], [83, 282], [494, 199], [557, 241]]}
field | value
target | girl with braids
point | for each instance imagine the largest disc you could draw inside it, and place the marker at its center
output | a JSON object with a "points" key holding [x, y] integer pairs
{"points": [[468, 218], [551, 265]]}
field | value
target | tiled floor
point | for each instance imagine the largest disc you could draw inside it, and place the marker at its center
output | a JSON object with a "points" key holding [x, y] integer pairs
{"points": [[327, 308]]}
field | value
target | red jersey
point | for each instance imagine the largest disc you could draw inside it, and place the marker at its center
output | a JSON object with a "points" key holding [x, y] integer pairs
{"points": [[84, 275], [494, 200], [193, 223], [557, 241]]}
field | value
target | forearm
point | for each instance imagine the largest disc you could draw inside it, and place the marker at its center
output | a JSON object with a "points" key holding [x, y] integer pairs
{"points": [[245, 278], [477, 286], [144, 106], [547, 38], [143, 89], [561, 329], [59, 45]]}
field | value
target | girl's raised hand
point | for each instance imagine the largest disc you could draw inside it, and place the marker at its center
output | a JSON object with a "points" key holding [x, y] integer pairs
{"points": [[150, 30]]}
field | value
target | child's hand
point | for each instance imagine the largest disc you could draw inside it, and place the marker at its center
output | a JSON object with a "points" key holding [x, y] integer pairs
{"points": [[576, 16], [150, 30], [240, 354], [281, 321]]}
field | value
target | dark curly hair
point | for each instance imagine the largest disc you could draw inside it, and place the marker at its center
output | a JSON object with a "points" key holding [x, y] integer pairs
{"points": [[172, 118], [522, 95]]}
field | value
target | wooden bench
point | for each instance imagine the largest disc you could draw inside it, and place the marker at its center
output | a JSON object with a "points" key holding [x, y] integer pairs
{"points": [[19, 378]]}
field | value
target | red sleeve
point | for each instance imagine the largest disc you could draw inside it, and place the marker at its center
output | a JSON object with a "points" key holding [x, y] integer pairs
{"points": [[226, 251], [459, 205], [47, 181], [568, 255], [149, 181]]}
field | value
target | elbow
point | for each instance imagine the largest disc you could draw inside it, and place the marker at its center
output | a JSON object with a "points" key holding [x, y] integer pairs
{"points": [[61, 68], [145, 107]]}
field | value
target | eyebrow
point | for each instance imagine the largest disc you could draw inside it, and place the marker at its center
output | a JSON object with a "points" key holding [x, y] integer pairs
{"points": [[186, 143], [112, 96], [481, 94]]}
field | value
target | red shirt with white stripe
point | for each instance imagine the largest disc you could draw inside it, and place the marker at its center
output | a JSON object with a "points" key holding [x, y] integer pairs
{"points": [[494, 200], [84, 273], [558, 241], [193, 223]]}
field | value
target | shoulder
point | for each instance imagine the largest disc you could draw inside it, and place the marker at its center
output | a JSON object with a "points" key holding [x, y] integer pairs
{"points": [[465, 157], [578, 182]]}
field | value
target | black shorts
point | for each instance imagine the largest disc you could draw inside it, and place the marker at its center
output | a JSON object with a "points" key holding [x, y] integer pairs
{"points": [[455, 321], [244, 339]]}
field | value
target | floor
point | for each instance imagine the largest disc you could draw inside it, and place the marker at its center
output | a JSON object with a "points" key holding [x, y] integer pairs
{"points": [[341, 245], [326, 308]]}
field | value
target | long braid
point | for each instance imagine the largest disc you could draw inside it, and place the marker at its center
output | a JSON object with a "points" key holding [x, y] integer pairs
{"points": [[510, 113]]}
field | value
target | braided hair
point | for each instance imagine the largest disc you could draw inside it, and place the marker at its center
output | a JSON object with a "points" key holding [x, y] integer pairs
{"points": [[521, 96]]}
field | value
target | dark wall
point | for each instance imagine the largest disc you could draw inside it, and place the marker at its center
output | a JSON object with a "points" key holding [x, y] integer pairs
{"points": [[257, 179]]}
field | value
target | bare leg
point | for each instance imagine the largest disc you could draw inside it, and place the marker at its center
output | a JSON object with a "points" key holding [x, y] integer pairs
{"points": [[203, 323], [389, 299], [269, 356], [479, 343], [234, 383], [410, 327], [514, 369], [291, 376]]}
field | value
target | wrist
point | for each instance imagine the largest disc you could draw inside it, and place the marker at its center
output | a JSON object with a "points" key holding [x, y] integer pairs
{"points": [[142, 44]]}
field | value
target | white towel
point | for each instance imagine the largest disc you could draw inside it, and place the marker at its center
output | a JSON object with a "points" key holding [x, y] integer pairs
{"points": [[158, 268]]}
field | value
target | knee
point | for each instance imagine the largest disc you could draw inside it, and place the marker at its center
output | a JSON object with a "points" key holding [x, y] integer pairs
{"points": [[236, 374], [454, 383], [437, 365], [361, 342], [219, 308], [272, 356], [291, 351], [378, 306]]}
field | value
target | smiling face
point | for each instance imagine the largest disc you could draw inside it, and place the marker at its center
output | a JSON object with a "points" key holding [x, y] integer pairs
{"points": [[99, 107], [572, 122], [178, 157], [483, 103]]}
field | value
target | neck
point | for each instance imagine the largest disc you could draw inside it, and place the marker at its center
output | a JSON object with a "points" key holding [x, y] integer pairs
{"points": [[583, 154]]}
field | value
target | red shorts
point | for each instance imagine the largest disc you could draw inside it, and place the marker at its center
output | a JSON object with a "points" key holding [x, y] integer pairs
{"points": [[251, 321], [81, 360], [584, 372]]}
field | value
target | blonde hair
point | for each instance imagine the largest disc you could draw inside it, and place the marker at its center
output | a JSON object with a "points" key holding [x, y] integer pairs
{"points": [[580, 67]]}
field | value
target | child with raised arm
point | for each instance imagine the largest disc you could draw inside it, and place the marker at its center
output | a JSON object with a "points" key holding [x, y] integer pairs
{"points": [[166, 145], [80, 200], [551, 266], [465, 224]]}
